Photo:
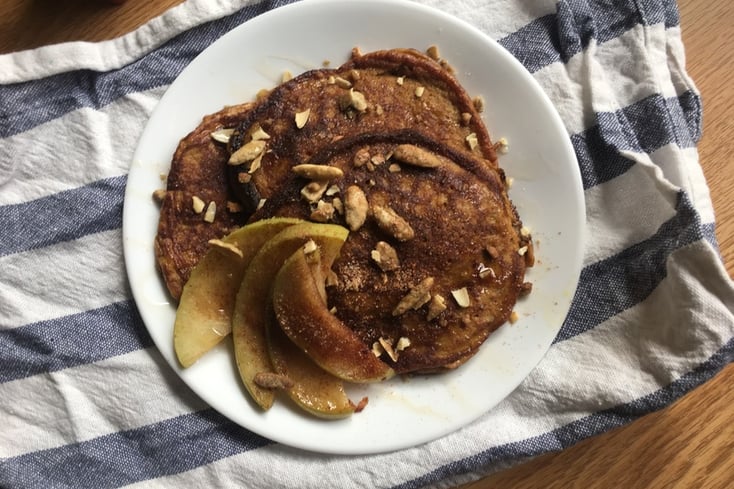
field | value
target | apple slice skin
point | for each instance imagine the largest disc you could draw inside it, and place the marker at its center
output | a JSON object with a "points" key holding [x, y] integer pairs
{"points": [[204, 313], [314, 389], [305, 319], [253, 309]]}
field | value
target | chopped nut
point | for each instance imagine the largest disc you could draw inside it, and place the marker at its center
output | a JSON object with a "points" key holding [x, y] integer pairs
{"points": [[385, 257], [419, 91], [485, 272], [338, 205], [478, 102], [361, 157], [234, 207], [302, 118], [379, 110], [321, 173], [211, 212], [432, 52], [262, 93], [331, 80], [222, 135], [247, 152], [530, 255], [402, 344], [465, 118], [509, 181], [394, 168], [260, 204], [492, 252], [377, 349], [324, 212], [342, 82], [388, 349], [472, 140], [333, 190], [255, 164], [461, 296], [436, 307], [400, 80], [353, 99], [197, 204], [159, 195], [355, 207], [522, 250], [389, 221], [514, 317], [359, 407], [310, 247], [325, 63], [502, 146], [287, 75], [417, 156], [525, 232], [259, 134], [331, 279], [229, 248], [271, 380], [356, 53], [354, 75], [418, 295], [526, 288], [314, 191]]}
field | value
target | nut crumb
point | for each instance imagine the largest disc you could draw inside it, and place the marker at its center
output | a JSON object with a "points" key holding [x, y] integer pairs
{"points": [[402, 344], [313, 192], [355, 207], [461, 296], [302, 118], [432, 52], [416, 156], [472, 140], [310, 247], [159, 195], [389, 221], [222, 135], [436, 307], [387, 346], [338, 205], [286, 76], [197, 204], [361, 157], [502, 146], [353, 99], [400, 80], [522, 250], [377, 349], [526, 288], [319, 173], [229, 248], [478, 102], [211, 212], [385, 257], [332, 190], [514, 317], [260, 204], [342, 82], [419, 91], [394, 168], [324, 212], [271, 380], [259, 134], [417, 296], [465, 118]]}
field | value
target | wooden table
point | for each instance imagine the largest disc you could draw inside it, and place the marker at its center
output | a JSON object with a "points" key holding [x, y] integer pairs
{"points": [[689, 444]]}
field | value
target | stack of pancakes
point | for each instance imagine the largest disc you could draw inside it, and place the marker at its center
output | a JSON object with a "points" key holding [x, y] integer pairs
{"points": [[467, 239]]}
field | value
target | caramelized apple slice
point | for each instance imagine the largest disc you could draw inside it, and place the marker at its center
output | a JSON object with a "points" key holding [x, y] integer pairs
{"points": [[314, 389], [253, 308], [204, 314], [307, 321]]}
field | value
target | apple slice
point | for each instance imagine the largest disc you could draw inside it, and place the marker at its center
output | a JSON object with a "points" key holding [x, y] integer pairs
{"points": [[204, 313], [314, 389], [253, 309], [307, 321]]}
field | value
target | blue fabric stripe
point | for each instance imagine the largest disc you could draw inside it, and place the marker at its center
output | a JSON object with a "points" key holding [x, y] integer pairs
{"points": [[63, 216], [26, 105], [566, 33], [629, 129], [611, 286], [576, 431], [68, 341], [169, 447]]}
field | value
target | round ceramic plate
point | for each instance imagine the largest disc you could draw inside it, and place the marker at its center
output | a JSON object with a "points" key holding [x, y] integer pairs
{"points": [[547, 192]]}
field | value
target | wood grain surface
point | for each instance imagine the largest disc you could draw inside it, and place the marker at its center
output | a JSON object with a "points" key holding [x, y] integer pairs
{"points": [[690, 444]]}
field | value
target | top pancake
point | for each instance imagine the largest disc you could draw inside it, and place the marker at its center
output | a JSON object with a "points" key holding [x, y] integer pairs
{"points": [[466, 230]]}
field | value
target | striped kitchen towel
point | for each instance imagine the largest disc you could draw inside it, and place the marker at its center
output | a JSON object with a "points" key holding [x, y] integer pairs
{"points": [[86, 400]]}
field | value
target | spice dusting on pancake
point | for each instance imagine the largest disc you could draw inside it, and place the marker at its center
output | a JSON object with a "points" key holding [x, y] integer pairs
{"points": [[390, 146]]}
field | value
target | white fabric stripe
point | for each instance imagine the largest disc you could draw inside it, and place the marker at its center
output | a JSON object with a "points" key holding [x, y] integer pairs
{"points": [[613, 75], [115, 53], [81, 403], [658, 328], [36, 284], [614, 218], [79, 152]]}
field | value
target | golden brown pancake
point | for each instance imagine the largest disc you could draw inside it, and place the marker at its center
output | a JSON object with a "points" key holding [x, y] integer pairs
{"points": [[466, 232]]}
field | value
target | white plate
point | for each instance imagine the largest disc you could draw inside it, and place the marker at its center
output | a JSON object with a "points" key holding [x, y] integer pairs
{"points": [[547, 191]]}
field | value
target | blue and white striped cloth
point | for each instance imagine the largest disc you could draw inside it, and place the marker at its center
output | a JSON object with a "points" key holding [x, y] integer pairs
{"points": [[87, 401]]}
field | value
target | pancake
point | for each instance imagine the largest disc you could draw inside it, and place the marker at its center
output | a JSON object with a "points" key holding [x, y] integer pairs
{"points": [[465, 246], [198, 168]]}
